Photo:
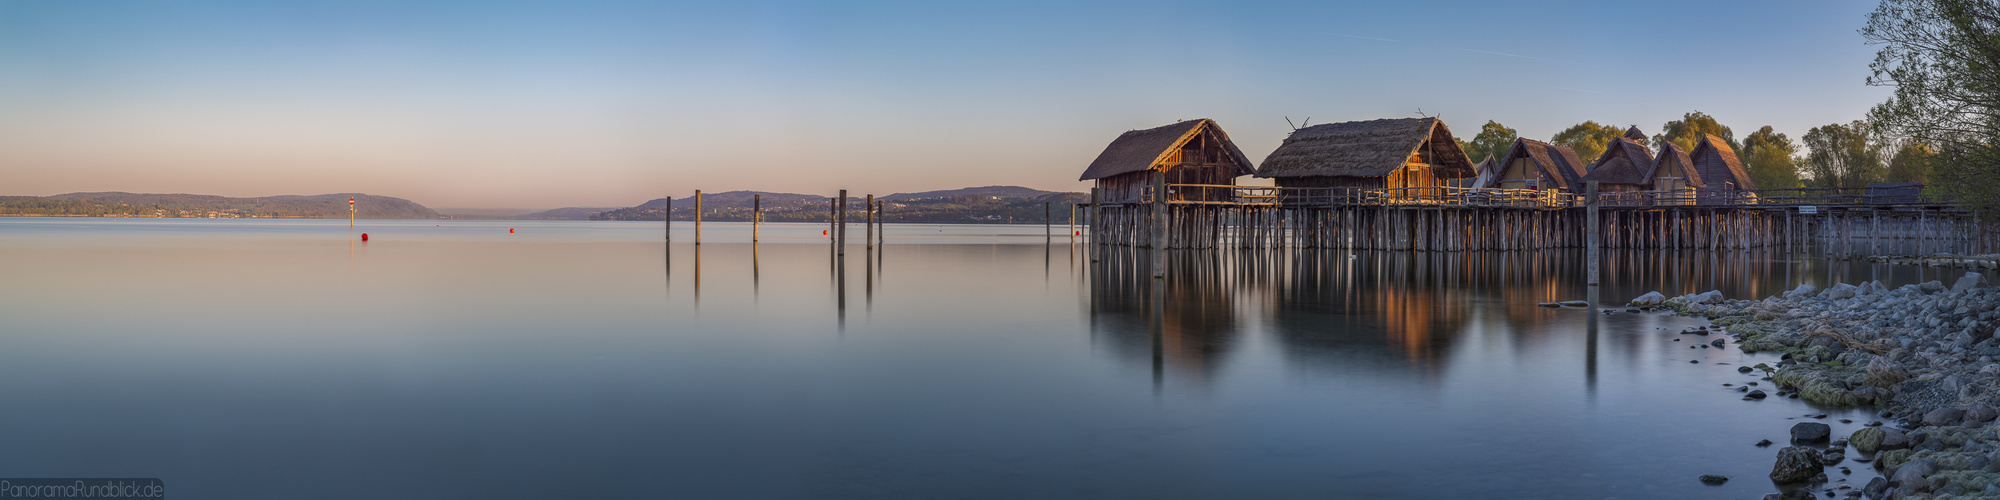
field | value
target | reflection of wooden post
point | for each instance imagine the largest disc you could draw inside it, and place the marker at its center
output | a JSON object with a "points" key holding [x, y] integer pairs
{"points": [[1590, 196], [756, 216], [697, 219]]}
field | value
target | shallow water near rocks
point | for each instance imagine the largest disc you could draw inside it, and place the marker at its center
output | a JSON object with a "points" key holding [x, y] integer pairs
{"points": [[259, 358]]}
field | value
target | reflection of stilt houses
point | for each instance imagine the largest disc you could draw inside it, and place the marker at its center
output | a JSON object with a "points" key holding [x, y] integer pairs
{"points": [[1718, 166], [1374, 154], [1187, 152], [1192, 328], [1532, 164]]}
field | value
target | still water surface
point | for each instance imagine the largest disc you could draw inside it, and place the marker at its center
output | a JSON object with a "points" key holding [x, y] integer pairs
{"points": [[260, 359]]}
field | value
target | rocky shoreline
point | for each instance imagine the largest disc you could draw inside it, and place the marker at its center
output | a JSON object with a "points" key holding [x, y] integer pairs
{"points": [[1924, 356]]}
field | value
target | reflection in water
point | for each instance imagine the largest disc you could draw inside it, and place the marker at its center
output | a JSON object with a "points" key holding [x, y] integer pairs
{"points": [[1331, 309]]}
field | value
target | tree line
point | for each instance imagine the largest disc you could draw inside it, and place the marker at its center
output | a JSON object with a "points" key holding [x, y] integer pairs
{"points": [[1941, 127], [1839, 154]]}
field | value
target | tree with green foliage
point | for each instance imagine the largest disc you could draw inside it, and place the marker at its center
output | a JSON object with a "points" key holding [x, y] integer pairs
{"points": [[1768, 156], [1843, 156], [1688, 130], [1588, 139], [1912, 163], [1493, 139], [1943, 58]]}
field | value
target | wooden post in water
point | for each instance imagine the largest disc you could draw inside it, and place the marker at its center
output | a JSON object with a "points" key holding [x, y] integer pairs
{"points": [[756, 216], [669, 217], [868, 218], [881, 222], [1072, 223], [1048, 219], [1590, 197], [697, 217], [840, 225], [832, 218], [1096, 212], [1159, 224]]}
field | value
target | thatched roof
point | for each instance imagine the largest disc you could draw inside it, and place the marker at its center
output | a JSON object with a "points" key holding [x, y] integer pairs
{"points": [[1635, 153], [1139, 150], [1618, 170], [1673, 153], [1372, 148], [1635, 135], [1712, 145], [1555, 163]]}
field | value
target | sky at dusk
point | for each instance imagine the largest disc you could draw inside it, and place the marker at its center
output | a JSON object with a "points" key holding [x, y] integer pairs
{"points": [[548, 104]]}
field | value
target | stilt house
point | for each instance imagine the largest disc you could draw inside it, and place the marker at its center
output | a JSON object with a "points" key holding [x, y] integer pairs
{"points": [[1188, 152], [1532, 164], [1374, 154], [1625, 166], [1674, 171], [1718, 166], [1482, 172]]}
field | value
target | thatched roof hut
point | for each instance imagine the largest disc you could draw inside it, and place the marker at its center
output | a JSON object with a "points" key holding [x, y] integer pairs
{"points": [[1532, 164], [1718, 166], [1625, 166], [1385, 153], [1635, 135], [1189, 152], [1673, 170]]}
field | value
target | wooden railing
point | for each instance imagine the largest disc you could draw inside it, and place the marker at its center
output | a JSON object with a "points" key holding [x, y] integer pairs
{"points": [[1223, 194]]}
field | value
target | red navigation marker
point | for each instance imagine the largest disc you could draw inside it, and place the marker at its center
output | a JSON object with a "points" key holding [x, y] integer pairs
{"points": [[510, 230], [364, 236]]}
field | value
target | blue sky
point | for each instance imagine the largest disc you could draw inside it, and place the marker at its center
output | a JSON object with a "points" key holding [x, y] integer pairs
{"points": [[531, 104]]}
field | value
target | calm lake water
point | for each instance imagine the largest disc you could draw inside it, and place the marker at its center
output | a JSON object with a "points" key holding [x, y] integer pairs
{"points": [[288, 359]]}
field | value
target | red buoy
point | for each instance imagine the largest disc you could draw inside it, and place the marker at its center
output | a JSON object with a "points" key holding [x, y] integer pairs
{"points": [[364, 236], [510, 230], [822, 232]]}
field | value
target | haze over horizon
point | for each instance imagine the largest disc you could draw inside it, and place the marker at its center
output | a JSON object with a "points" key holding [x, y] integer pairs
{"points": [[462, 104]]}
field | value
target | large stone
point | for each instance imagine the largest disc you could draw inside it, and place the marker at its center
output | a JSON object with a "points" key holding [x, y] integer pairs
{"points": [[1932, 286], [1840, 291], [1649, 299], [1979, 412], [1893, 439], [1968, 282], [1866, 440], [1709, 297], [1944, 416], [1810, 432], [1803, 291], [1912, 474], [1795, 465]]}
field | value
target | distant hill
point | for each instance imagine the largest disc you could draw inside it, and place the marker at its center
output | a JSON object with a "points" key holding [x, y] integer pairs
{"points": [[998, 191], [992, 204], [119, 204], [565, 213]]}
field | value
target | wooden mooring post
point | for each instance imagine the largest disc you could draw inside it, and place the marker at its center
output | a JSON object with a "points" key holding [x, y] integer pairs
{"points": [[697, 217], [756, 216], [868, 220], [840, 225], [669, 217], [1591, 227], [1159, 224]]}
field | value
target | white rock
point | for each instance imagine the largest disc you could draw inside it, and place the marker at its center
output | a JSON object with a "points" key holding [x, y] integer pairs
{"points": [[1968, 282], [1649, 299]]}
